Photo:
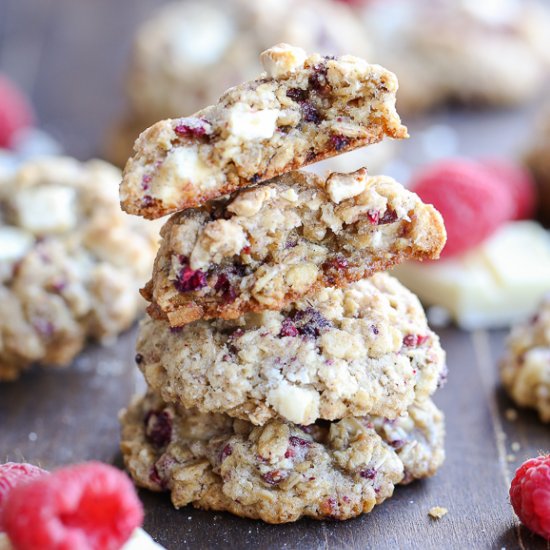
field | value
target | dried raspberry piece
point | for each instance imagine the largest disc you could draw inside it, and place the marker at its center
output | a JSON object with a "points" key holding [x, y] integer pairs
{"points": [[288, 329], [414, 340], [225, 452], [310, 322], [15, 111], [14, 473], [158, 427], [274, 477], [191, 127], [189, 279], [472, 202], [519, 183], [530, 495], [339, 142], [90, 506]]}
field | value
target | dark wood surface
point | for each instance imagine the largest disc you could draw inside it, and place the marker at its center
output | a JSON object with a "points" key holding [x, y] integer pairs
{"points": [[69, 55]]}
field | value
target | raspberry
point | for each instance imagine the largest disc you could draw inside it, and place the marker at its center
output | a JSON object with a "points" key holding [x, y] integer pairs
{"points": [[13, 473], [530, 495], [519, 183], [15, 111], [85, 507], [471, 200]]}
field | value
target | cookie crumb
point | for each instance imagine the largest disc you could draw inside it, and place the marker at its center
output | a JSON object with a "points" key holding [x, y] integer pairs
{"points": [[511, 415], [437, 512], [515, 446]]}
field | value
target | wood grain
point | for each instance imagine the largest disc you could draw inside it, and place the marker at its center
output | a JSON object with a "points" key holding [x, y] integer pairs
{"points": [[69, 55]]}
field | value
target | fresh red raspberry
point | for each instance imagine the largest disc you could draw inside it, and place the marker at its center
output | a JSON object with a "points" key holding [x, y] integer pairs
{"points": [[13, 473], [90, 506], [15, 111], [530, 495], [519, 182], [471, 200]]}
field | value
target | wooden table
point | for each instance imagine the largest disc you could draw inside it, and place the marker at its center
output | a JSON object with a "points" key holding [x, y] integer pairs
{"points": [[70, 55]]}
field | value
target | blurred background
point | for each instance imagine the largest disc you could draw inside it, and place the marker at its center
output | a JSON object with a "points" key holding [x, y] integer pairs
{"points": [[474, 76]]}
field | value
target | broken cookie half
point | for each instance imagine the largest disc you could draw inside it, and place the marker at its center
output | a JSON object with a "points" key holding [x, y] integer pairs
{"points": [[263, 247], [301, 110]]}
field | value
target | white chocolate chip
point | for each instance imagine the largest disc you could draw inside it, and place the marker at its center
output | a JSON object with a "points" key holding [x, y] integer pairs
{"points": [[219, 239], [14, 243], [250, 202], [248, 125], [289, 195], [301, 277], [344, 186], [282, 59], [186, 165], [46, 209], [298, 405]]}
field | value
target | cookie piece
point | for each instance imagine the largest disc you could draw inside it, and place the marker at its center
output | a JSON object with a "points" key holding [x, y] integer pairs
{"points": [[353, 351], [303, 109], [272, 244], [70, 261], [278, 473], [525, 368]]}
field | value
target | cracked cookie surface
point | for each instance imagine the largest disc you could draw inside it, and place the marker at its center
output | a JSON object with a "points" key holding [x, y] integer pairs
{"points": [[303, 109], [70, 261], [362, 349], [279, 472], [267, 246], [525, 368]]}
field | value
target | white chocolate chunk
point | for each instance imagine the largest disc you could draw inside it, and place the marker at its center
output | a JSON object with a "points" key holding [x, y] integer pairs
{"points": [[298, 405], [48, 209], [282, 59], [344, 186], [249, 125], [497, 284], [14, 243], [185, 163], [250, 202], [219, 239]]}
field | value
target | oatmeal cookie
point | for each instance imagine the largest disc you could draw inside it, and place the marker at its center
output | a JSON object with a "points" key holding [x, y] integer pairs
{"points": [[525, 368], [70, 261], [362, 349], [267, 246], [476, 53], [278, 473], [301, 110]]}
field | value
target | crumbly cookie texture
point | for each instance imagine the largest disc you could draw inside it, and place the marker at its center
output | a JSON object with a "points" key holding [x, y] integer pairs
{"points": [[418, 438], [70, 261], [267, 246], [301, 110], [279, 472], [525, 368], [362, 349]]}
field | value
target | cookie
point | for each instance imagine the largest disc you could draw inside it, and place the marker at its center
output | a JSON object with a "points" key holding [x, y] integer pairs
{"points": [[303, 109], [362, 349], [70, 261], [525, 368], [474, 53], [279, 472], [267, 246], [188, 53]]}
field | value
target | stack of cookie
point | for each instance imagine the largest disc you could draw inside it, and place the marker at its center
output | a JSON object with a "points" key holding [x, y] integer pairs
{"points": [[288, 375]]}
